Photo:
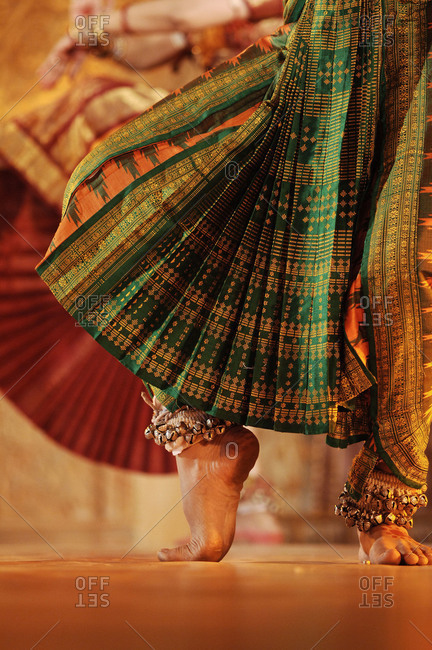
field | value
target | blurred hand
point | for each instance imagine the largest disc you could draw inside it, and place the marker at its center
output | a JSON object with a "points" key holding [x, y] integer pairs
{"points": [[85, 8], [64, 55], [89, 8]]}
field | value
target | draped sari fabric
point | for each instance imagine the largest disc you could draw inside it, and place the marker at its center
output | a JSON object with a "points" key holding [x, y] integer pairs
{"points": [[221, 244], [56, 374]]}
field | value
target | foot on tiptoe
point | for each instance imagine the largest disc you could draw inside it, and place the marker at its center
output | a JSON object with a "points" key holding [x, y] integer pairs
{"points": [[211, 478], [391, 544]]}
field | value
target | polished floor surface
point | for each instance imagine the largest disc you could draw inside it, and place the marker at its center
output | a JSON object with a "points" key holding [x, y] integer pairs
{"points": [[258, 597]]}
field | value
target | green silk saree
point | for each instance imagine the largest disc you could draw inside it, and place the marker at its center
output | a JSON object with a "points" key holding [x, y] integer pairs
{"points": [[229, 245]]}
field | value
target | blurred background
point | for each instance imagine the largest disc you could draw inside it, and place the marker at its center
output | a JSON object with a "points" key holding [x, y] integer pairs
{"points": [[76, 474]]}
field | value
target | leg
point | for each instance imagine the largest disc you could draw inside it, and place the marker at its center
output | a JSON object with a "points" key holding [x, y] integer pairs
{"points": [[389, 543], [392, 544], [211, 478], [211, 471], [383, 516], [395, 262]]}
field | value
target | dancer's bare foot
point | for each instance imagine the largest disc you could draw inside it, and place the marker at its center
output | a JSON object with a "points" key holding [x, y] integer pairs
{"points": [[211, 478], [391, 544]]}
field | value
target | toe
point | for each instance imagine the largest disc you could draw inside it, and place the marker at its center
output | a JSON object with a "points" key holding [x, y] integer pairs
{"points": [[410, 558], [178, 554], [427, 553], [407, 552], [192, 552], [388, 556], [422, 559], [163, 554]]}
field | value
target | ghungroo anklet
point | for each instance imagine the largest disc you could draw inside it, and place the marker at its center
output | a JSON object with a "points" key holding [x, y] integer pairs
{"points": [[386, 500], [183, 428]]}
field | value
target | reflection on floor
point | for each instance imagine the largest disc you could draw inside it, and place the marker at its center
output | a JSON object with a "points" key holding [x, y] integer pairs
{"points": [[266, 597]]}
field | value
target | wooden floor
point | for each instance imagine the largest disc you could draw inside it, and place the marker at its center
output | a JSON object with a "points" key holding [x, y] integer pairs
{"points": [[257, 597]]}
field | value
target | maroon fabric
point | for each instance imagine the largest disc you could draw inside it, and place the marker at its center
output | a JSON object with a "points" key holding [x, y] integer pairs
{"points": [[68, 385]]}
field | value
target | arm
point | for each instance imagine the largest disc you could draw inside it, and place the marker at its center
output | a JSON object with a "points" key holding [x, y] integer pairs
{"points": [[176, 15], [146, 51], [150, 32]]}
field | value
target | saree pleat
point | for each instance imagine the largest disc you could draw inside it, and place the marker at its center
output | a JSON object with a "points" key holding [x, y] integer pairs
{"points": [[220, 243], [393, 260], [227, 295]]}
